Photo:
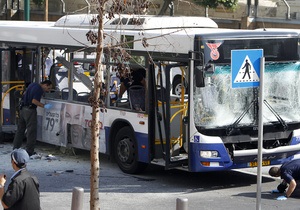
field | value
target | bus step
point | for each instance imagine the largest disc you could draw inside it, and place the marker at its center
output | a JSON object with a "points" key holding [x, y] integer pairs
{"points": [[179, 157], [8, 128]]}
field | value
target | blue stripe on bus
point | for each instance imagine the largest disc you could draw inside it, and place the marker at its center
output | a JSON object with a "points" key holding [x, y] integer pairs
{"points": [[223, 159], [6, 115], [143, 147], [295, 140], [195, 159]]}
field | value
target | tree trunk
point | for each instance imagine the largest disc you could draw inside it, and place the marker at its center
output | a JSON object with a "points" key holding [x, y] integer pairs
{"points": [[95, 163]]}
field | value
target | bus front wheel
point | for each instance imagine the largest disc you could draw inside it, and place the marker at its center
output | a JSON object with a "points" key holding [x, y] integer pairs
{"points": [[126, 152]]}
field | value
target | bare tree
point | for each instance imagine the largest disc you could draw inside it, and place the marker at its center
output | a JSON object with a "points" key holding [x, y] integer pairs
{"points": [[108, 8], [229, 4], [95, 102]]}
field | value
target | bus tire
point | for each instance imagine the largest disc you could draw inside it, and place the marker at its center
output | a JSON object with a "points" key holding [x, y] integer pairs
{"points": [[126, 152], [177, 85]]}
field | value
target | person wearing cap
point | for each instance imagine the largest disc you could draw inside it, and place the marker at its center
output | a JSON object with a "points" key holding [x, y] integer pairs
{"points": [[290, 173], [28, 115], [23, 191]]}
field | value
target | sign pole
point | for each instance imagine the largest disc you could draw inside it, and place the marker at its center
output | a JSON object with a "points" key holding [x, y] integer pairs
{"points": [[260, 134]]}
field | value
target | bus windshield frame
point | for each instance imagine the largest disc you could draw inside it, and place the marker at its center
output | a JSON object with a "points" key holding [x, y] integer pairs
{"points": [[220, 110], [281, 49]]}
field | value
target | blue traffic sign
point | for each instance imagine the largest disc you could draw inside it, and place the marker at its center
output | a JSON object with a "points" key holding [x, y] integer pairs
{"points": [[245, 68]]}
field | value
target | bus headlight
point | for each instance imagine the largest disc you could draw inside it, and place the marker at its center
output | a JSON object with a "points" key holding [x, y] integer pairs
{"points": [[209, 154]]}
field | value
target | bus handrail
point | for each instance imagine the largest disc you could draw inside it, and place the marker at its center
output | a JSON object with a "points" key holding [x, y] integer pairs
{"points": [[183, 113], [10, 89], [12, 82], [183, 109], [176, 113]]}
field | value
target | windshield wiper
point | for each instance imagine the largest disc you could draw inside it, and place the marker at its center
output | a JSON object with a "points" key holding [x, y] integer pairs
{"points": [[230, 129], [280, 120]]}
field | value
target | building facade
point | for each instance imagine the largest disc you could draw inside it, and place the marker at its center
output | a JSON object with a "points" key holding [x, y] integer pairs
{"points": [[268, 13]]}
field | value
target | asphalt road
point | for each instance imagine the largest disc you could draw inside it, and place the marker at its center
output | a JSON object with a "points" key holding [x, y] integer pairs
{"points": [[59, 173]]}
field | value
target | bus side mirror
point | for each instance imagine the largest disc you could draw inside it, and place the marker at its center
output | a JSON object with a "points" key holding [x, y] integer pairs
{"points": [[210, 68], [199, 73]]}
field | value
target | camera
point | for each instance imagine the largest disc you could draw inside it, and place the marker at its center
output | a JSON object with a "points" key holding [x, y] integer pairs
{"points": [[281, 187]]}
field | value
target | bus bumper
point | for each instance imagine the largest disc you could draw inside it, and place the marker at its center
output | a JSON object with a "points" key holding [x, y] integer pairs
{"points": [[274, 155], [197, 163], [240, 159]]}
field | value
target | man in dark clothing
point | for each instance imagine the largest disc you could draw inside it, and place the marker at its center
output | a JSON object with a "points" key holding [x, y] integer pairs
{"points": [[28, 114], [136, 77], [23, 191], [290, 173]]}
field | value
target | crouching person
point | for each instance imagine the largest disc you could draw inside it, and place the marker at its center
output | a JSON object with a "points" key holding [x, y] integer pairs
{"points": [[290, 173]]}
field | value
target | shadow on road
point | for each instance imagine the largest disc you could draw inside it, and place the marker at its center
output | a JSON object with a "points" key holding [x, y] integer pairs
{"points": [[71, 170], [267, 195]]}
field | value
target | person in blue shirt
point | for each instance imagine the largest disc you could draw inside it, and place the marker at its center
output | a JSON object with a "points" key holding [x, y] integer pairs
{"points": [[290, 173], [28, 115]]}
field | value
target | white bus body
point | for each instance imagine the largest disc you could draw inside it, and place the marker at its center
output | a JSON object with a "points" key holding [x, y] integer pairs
{"points": [[206, 127]]}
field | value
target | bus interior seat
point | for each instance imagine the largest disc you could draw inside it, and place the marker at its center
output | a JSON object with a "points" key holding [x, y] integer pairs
{"points": [[83, 96], [122, 103], [137, 97], [65, 94], [53, 94]]}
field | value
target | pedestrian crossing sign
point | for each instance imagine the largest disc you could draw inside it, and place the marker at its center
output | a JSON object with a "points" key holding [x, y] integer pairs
{"points": [[245, 68]]}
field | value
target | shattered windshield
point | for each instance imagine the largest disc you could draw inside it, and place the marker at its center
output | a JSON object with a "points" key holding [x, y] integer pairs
{"points": [[219, 105]]}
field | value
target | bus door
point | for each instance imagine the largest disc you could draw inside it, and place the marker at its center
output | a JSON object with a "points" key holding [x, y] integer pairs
{"points": [[170, 110], [14, 74]]}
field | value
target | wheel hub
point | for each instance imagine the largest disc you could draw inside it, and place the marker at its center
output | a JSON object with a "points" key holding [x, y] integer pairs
{"points": [[125, 150], [178, 89]]}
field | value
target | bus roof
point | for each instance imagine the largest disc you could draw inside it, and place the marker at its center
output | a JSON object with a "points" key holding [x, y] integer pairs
{"points": [[70, 31], [279, 29], [163, 34], [138, 22]]}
